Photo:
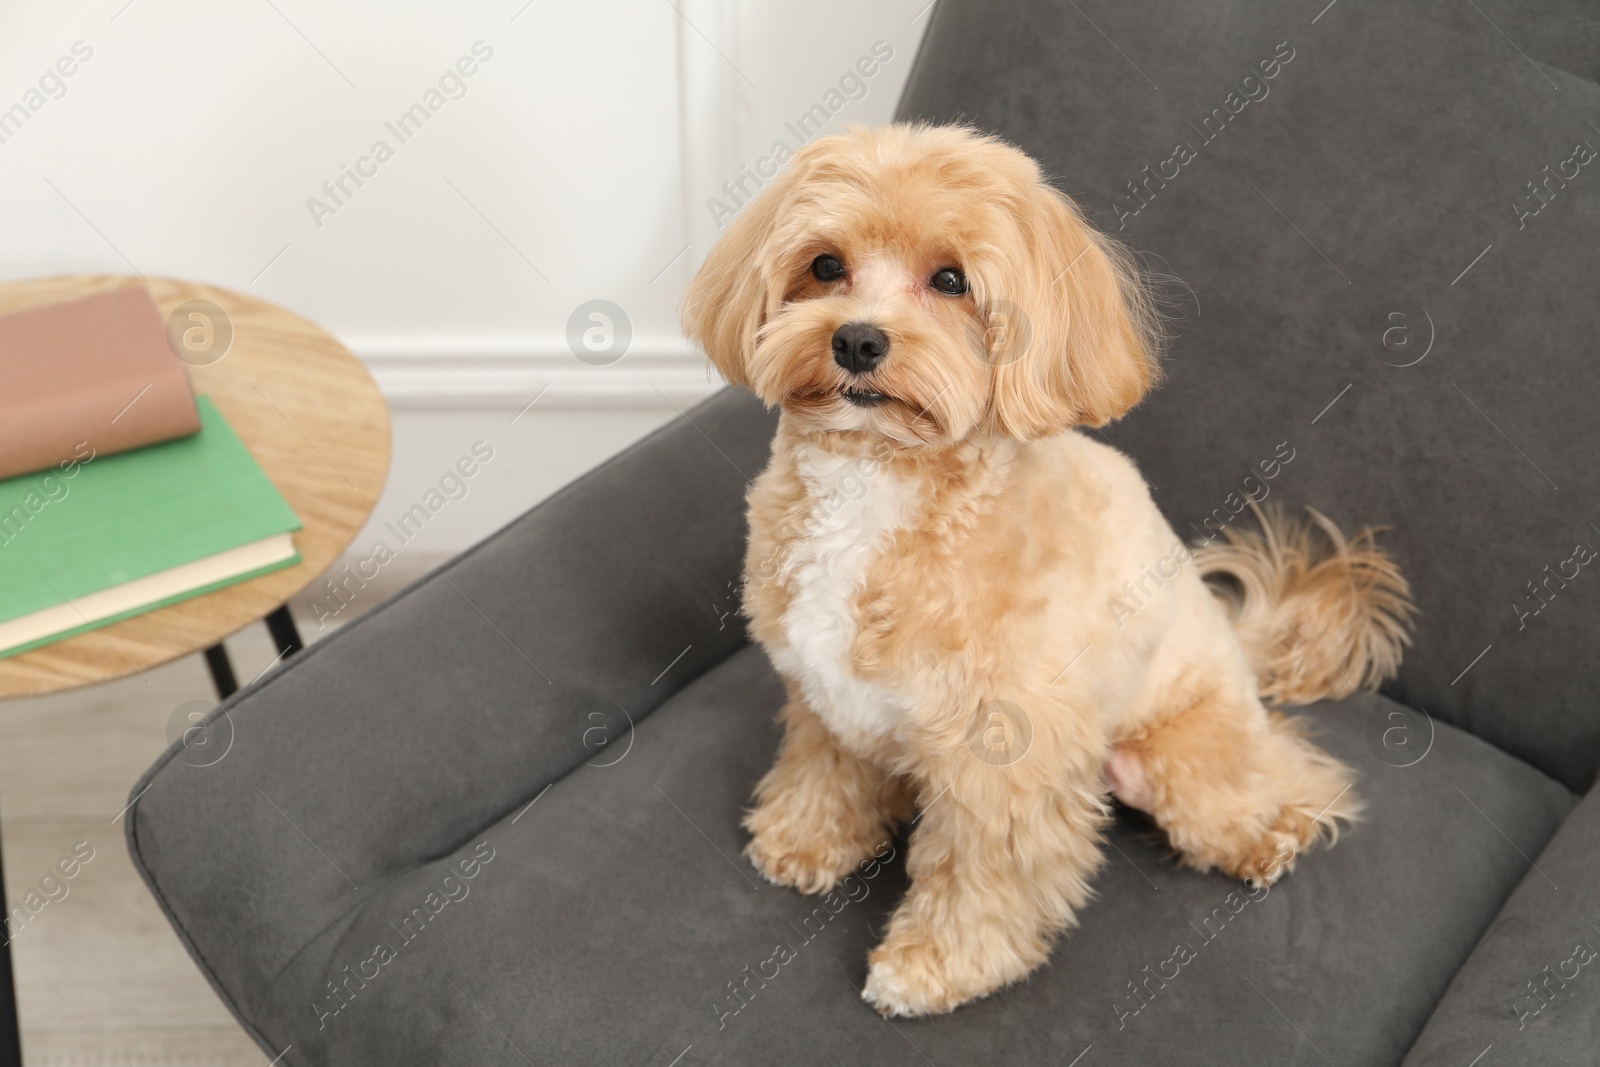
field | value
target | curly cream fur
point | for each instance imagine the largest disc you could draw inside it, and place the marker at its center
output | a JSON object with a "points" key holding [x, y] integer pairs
{"points": [[1319, 617]]}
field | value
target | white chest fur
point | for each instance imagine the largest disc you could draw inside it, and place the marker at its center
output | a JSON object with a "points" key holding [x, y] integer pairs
{"points": [[855, 506]]}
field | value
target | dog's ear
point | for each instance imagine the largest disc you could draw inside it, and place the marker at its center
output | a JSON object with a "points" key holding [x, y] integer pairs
{"points": [[734, 290], [1091, 332]]}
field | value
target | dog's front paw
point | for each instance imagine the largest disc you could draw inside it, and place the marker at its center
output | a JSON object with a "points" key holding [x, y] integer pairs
{"points": [[928, 967], [909, 978], [805, 853], [813, 867], [906, 981]]}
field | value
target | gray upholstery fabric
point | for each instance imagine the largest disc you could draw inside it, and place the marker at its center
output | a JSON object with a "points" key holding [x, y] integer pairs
{"points": [[612, 914], [1532, 986], [1384, 158]]}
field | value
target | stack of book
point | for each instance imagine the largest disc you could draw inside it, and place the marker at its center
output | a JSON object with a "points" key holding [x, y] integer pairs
{"points": [[126, 492]]}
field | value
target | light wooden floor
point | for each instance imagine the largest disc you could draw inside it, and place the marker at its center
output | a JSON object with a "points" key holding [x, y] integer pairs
{"points": [[101, 978]]}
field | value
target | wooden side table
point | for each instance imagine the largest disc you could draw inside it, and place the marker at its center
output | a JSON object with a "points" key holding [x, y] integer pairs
{"points": [[310, 414], [313, 419]]}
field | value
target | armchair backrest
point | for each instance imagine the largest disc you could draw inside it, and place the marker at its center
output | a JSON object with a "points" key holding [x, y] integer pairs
{"points": [[1391, 260]]}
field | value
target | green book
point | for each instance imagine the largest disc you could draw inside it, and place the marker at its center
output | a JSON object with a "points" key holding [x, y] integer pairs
{"points": [[100, 538]]}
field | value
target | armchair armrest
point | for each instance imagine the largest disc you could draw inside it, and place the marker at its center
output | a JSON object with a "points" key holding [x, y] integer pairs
{"points": [[1531, 987], [402, 735]]}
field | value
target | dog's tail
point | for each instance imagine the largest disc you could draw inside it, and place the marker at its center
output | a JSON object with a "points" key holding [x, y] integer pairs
{"points": [[1319, 615]]}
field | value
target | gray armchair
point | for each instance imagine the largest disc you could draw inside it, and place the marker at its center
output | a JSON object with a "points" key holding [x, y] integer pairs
{"points": [[419, 851]]}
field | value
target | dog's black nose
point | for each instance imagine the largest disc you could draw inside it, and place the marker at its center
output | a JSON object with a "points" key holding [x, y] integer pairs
{"points": [[858, 347]]}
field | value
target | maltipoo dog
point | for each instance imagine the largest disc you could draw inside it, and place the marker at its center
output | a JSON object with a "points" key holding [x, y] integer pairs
{"points": [[978, 611]]}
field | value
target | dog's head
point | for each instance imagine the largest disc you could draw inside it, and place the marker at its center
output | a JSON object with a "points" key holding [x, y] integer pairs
{"points": [[924, 283]]}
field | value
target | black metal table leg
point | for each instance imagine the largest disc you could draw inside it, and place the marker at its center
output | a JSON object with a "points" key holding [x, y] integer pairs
{"points": [[285, 637], [284, 633], [10, 1031], [221, 671]]}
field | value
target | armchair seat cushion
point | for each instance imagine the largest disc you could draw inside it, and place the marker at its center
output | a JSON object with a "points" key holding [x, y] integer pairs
{"points": [[614, 920], [1529, 986]]}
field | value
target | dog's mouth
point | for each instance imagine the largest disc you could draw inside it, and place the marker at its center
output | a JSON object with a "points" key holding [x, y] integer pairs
{"points": [[865, 398]]}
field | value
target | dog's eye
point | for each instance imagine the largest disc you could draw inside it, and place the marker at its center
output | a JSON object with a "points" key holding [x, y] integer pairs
{"points": [[827, 269], [950, 281]]}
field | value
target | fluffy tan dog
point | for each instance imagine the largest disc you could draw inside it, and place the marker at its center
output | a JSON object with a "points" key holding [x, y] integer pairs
{"points": [[937, 560]]}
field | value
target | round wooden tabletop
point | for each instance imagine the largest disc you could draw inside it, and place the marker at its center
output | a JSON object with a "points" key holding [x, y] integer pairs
{"points": [[313, 418]]}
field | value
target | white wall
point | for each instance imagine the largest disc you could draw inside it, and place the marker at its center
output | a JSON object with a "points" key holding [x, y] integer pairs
{"points": [[576, 164]]}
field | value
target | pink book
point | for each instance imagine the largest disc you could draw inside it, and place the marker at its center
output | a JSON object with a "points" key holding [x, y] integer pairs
{"points": [[90, 374]]}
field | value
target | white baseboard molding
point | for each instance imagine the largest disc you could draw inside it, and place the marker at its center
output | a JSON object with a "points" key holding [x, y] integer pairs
{"points": [[421, 373]]}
